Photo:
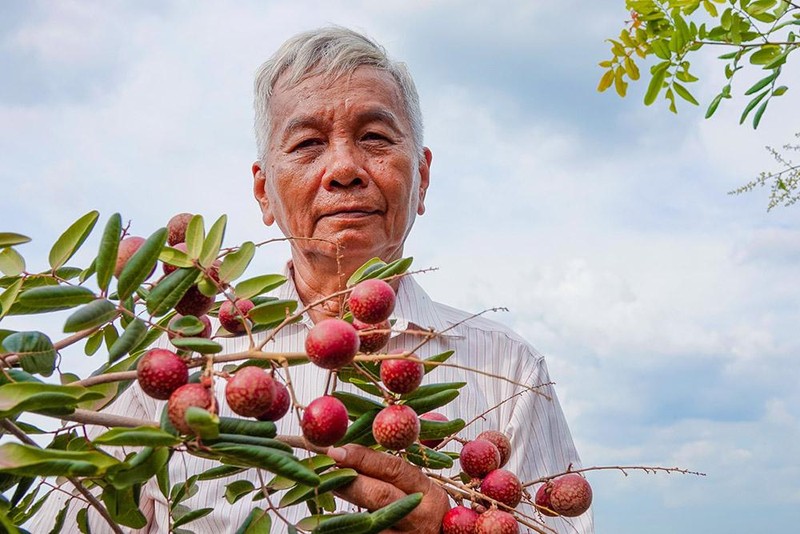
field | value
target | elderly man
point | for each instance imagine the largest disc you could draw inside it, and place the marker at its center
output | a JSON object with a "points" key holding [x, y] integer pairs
{"points": [[341, 160]]}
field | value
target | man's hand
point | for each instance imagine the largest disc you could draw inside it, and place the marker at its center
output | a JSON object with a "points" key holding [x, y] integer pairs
{"points": [[383, 479]]}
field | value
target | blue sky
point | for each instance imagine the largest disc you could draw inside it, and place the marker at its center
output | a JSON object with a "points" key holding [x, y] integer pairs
{"points": [[668, 309]]}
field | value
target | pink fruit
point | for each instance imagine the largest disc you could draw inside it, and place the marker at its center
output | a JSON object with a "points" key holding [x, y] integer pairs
{"points": [[542, 499], [570, 495], [176, 228], [433, 416], [160, 372], [250, 392], [402, 376], [372, 301], [127, 248], [194, 303], [169, 268], [206, 332], [324, 421], [372, 341], [496, 522], [232, 318], [280, 404], [332, 343], [502, 486], [479, 457], [396, 427], [183, 398], [459, 520], [500, 441]]}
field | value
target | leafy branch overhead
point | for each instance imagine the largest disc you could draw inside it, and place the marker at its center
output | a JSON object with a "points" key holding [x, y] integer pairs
{"points": [[751, 34]]}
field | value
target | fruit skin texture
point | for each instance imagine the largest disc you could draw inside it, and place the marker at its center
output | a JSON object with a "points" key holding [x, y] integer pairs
{"points": [[479, 457], [570, 495], [500, 441], [232, 318], [332, 343], [280, 404], [324, 421], [250, 392], [459, 520], [176, 228], [372, 301], [194, 303], [502, 486], [496, 522], [127, 248], [169, 268], [372, 341], [160, 372], [542, 499], [433, 416], [396, 427], [402, 376], [206, 333], [192, 394]]}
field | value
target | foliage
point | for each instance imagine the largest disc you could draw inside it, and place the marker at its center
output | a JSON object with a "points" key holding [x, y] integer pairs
{"points": [[784, 183]]}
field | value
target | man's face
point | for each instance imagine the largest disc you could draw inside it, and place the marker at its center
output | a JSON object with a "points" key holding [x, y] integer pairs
{"points": [[341, 165]]}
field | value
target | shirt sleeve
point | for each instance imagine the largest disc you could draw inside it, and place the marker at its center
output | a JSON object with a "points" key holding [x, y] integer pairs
{"points": [[542, 444]]}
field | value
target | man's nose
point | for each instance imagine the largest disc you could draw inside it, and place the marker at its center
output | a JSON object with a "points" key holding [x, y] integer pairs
{"points": [[345, 167]]}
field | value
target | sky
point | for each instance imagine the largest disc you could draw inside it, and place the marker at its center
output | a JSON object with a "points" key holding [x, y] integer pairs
{"points": [[667, 309]]}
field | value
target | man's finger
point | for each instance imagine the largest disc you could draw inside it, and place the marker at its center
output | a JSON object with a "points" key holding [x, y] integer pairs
{"points": [[369, 493], [381, 466]]}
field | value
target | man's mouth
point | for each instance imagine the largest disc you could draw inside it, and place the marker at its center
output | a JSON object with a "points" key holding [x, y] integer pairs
{"points": [[352, 213]]}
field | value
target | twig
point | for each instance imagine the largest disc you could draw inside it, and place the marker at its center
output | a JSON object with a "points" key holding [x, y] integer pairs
{"points": [[623, 468]]}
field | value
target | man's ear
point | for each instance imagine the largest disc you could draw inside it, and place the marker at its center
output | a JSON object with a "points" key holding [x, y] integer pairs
{"points": [[424, 178], [260, 192]]}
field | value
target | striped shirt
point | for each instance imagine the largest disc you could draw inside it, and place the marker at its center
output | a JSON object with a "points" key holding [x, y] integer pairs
{"points": [[540, 437]]}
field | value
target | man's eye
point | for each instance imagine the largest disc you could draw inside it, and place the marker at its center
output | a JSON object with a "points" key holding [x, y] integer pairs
{"points": [[307, 143], [374, 136]]}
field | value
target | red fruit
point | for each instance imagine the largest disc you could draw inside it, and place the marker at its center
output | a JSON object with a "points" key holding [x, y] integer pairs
{"points": [[459, 520], [160, 372], [396, 427], [570, 495], [502, 486], [250, 392], [372, 341], [496, 522], [372, 301], [127, 248], [500, 441], [206, 332], [433, 416], [176, 228], [402, 376], [232, 319], [279, 406], [194, 303], [183, 398], [169, 268], [324, 421], [332, 343], [542, 500], [479, 457]]}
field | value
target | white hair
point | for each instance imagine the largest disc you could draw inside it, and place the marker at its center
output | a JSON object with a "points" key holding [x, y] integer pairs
{"points": [[332, 51]]}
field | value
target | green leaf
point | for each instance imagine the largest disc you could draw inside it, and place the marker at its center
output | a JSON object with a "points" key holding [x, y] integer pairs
{"points": [[361, 271], [71, 240], [273, 460], [356, 404], [60, 517], [258, 521], [175, 257], [237, 262], [9, 296], [141, 467], [28, 460], [752, 104], [260, 284], [142, 436], [11, 262], [251, 440], [83, 521], [8, 239], [20, 397], [195, 235], [134, 334], [656, 83], [197, 344], [713, 106], [763, 82], [605, 81], [328, 482], [107, 254], [430, 389], [213, 241], [684, 93], [187, 326], [396, 267], [96, 313], [429, 429], [36, 352], [169, 291], [247, 427], [274, 311], [204, 423], [759, 112], [54, 298], [221, 471], [437, 400], [427, 457], [389, 515], [192, 516], [437, 358], [359, 429], [355, 523], [122, 506], [238, 489], [141, 264], [780, 90], [318, 463]]}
